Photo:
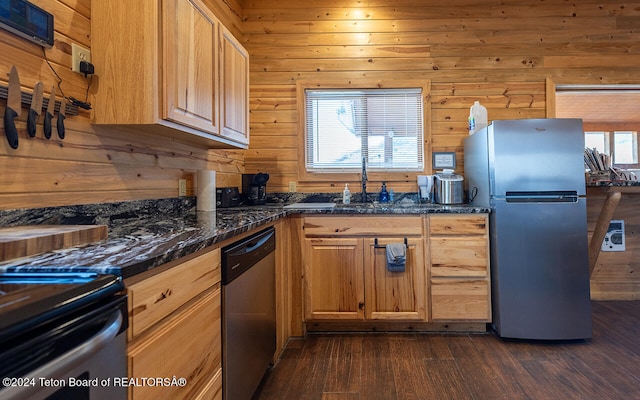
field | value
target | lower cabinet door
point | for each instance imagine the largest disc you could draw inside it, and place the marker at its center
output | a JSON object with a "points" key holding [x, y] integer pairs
{"points": [[462, 299], [395, 295], [187, 346], [334, 279]]}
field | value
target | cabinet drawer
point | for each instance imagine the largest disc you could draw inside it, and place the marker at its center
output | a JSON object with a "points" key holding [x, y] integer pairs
{"points": [[152, 299], [459, 256], [213, 390], [460, 299], [187, 346], [458, 225], [338, 226]]}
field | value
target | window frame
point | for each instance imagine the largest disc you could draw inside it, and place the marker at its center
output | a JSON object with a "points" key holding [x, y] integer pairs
{"points": [[389, 176], [609, 129]]}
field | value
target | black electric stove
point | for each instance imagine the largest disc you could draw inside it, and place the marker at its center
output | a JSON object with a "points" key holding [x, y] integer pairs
{"points": [[45, 318], [31, 299]]}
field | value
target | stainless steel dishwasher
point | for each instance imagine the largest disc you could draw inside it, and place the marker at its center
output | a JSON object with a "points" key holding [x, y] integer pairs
{"points": [[248, 313]]}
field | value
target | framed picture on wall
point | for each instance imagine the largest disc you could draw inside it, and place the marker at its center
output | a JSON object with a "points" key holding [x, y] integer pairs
{"points": [[444, 160]]}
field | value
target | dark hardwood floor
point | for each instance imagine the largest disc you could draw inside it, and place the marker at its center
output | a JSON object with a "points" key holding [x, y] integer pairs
{"points": [[464, 366]]}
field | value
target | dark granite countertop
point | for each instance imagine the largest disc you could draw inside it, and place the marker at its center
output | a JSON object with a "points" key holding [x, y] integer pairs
{"points": [[147, 234], [613, 183]]}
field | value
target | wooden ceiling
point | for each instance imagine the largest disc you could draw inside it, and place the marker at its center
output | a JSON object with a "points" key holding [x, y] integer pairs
{"points": [[600, 106]]}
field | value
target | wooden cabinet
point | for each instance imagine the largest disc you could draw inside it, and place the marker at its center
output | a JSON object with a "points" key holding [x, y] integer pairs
{"points": [[234, 84], [163, 67], [395, 295], [334, 278], [459, 274], [190, 66], [345, 271], [175, 328]]}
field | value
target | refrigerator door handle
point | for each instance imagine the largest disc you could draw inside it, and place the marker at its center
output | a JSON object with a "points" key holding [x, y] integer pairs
{"points": [[542, 197]]}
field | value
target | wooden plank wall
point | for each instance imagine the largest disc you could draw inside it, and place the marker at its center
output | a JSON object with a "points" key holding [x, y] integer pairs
{"points": [[498, 52], [91, 166], [615, 275]]}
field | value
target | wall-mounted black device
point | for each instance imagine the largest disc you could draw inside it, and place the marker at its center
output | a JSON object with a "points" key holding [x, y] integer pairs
{"points": [[27, 20]]}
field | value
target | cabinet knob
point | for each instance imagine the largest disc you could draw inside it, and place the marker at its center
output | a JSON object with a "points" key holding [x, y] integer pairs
{"points": [[361, 305]]}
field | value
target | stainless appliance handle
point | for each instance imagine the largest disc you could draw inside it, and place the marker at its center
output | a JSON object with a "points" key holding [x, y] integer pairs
{"points": [[60, 366], [251, 246], [544, 196]]}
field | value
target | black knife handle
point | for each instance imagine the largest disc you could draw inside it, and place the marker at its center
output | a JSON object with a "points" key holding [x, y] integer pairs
{"points": [[60, 126], [10, 127], [47, 125], [31, 122]]}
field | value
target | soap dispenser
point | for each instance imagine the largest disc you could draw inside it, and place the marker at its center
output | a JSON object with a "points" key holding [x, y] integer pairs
{"points": [[384, 195], [346, 194]]}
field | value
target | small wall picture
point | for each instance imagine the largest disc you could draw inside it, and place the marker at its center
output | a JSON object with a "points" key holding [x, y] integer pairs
{"points": [[444, 160]]}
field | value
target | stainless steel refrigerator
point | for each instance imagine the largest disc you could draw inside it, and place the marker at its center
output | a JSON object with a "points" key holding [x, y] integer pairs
{"points": [[531, 174]]}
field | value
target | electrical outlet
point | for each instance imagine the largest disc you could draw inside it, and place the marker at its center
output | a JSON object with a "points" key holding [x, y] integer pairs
{"points": [[182, 187], [78, 53], [292, 187]]}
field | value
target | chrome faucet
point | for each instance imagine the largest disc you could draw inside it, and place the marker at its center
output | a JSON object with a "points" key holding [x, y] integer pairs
{"points": [[364, 179]]}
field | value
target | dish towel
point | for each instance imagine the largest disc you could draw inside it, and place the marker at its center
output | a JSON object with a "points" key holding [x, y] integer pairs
{"points": [[396, 257]]}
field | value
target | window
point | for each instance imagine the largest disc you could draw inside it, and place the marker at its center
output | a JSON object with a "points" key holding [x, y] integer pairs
{"points": [[598, 141], [609, 116], [385, 126], [623, 145], [625, 148]]}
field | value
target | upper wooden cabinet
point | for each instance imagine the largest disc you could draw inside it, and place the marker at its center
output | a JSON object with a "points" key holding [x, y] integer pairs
{"points": [[234, 84], [190, 66], [167, 67]]}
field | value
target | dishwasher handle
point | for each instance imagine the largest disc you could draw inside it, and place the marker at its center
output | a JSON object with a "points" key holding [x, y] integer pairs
{"points": [[245, 253], [250, 246]]}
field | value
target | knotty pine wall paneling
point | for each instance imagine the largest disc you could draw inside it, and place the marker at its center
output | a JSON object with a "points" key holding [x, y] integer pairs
{"points": [[501, 53], [498, 52], [615, 276], [94, 164]]}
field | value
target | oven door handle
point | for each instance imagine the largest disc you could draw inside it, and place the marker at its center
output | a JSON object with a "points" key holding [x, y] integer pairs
{"points": [[59, 367]]}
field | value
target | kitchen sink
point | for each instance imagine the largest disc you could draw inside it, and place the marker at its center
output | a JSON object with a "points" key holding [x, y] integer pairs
{"points": [[318, 198], [314, 202], [310, 206]]}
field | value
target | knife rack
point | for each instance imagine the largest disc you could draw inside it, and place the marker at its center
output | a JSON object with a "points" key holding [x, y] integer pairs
{"points": [[26, 101]]}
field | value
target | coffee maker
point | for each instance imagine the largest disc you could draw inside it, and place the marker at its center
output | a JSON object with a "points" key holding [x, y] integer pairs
{"points": [[254, 188]]}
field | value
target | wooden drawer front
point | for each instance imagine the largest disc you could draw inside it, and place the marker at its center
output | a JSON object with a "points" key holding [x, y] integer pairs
{"points": [[213, 390], [154, 298], [459, 256], [363, 226], [188, 345], [460, 299], [458, 224]]}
